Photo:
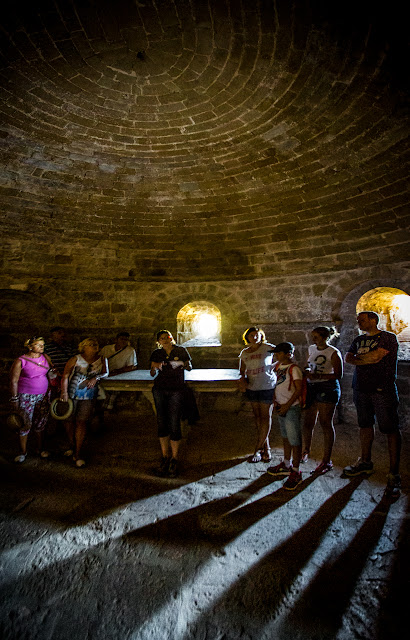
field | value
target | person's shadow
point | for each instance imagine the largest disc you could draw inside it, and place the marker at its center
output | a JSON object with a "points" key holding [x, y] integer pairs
{"points": [[256, 598], [320, 609]]}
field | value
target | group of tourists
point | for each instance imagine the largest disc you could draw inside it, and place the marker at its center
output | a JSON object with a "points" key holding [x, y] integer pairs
{"points": [[274, 383], [55, 371], [269, 377]]}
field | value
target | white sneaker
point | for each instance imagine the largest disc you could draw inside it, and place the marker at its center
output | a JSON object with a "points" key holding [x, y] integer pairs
{"points": [[20, 458]]}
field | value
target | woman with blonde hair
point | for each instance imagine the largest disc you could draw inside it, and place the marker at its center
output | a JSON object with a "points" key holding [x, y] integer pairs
{"points": [[258, 381], [80, 380], [30, 397], [324, 371]]}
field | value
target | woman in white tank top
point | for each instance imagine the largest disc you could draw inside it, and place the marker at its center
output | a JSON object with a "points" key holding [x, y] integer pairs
{"points": [[324, 370]]}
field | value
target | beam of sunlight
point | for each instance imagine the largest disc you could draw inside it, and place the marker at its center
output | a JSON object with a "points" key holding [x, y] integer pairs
{"points": [[51, 548]]}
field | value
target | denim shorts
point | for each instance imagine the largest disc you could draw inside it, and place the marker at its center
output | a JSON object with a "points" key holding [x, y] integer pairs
{"points": [[291, 426], [382, 406], [327, 392], [265, 396]]}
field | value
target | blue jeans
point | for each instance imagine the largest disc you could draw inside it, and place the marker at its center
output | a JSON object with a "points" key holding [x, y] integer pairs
{"points": [[291, 426], [168, 404]]}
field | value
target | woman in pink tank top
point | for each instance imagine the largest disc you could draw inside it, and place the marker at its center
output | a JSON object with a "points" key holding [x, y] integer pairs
{"points": [[30, 394]]}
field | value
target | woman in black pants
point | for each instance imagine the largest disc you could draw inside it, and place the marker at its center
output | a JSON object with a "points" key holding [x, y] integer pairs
{"points": [[168, 364]]}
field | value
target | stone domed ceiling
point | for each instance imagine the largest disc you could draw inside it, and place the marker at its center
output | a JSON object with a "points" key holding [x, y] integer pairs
{"points": [[189, 140]]}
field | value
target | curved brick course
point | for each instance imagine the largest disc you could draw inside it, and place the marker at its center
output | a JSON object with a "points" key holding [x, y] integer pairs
{"points": [[202, 141]]}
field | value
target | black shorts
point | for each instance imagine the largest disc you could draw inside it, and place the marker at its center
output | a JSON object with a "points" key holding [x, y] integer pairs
{"points": [[382, 406]]}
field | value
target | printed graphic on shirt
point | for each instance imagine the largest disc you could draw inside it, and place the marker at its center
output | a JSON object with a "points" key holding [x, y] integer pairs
{"points": [[319, 364], [281, 376], [368, 343], [378, 376], [258, 367], [285, 385]]}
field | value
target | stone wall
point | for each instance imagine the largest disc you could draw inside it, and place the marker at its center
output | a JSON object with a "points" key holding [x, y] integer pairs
{"points": [[253, 156], [287, 308]]}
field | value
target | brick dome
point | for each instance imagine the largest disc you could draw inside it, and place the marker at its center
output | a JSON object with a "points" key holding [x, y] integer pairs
{"points": [[201, 141]]}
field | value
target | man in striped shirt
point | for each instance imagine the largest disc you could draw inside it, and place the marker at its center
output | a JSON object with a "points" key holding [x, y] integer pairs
{"points": [[58, 349]]}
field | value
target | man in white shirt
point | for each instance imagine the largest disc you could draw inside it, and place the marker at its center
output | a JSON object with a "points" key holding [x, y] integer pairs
{"points": [[121, 358]]}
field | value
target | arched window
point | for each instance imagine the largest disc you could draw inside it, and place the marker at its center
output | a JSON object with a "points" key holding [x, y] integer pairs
{"points": [[393, 308], [199, 325]]}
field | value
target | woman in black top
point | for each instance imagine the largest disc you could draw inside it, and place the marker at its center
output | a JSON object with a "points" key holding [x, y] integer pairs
{"points": [[168, 364]]}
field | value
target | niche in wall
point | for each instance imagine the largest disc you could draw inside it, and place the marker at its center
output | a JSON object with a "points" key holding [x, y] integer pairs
{"points": [[393, 308], [199, 325]]}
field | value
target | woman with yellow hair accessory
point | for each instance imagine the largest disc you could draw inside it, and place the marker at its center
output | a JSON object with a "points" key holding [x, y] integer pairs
{"points": [[30, 397]]}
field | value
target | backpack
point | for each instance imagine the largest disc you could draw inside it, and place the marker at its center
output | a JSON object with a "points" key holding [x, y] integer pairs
{"points": [[303, 392]]}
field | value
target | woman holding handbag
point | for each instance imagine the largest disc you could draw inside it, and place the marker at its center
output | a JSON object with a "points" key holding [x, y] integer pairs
{"points": [[30, 397], [80, 380]]}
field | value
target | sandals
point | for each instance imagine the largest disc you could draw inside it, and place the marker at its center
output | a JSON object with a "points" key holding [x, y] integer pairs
{"points": [[263, 455], [20, 458], [257, 457], [266, 455], [305, 456]]}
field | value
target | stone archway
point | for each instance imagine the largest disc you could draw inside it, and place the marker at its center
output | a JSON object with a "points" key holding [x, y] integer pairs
{"points": [[199, 325], [393, 308], [349, 330], [349, 305]]}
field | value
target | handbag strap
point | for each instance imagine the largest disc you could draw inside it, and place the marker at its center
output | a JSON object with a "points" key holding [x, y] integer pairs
{"points": [[116, 353], [36, 363]]}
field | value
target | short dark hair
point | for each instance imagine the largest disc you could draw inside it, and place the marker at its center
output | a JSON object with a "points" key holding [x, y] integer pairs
{"points": [[123, 334], [370, 314], [284, 347], [56, 328]]}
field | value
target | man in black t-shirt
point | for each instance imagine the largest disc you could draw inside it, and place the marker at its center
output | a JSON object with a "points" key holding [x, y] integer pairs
{"points": [[374, 354]]}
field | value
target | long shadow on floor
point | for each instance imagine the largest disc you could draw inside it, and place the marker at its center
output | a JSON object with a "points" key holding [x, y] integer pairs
{"points": [[319, 611], [109, 590], [254, 600], [131, 585], [393, 615], [83, 495], [215, 524]]}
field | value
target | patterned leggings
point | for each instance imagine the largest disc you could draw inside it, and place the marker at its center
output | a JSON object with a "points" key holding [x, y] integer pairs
{"points": [[34, 409]]}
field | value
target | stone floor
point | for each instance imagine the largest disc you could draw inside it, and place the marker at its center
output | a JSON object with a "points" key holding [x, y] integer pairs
{"points": [[220, 553]]}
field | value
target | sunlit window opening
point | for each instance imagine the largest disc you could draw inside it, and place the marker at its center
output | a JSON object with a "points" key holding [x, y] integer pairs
{"points": [[393, 307], [199, 324], [206, 325]]}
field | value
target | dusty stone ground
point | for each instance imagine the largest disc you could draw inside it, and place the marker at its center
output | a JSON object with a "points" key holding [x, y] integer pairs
{"points": [[220, 553]]}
